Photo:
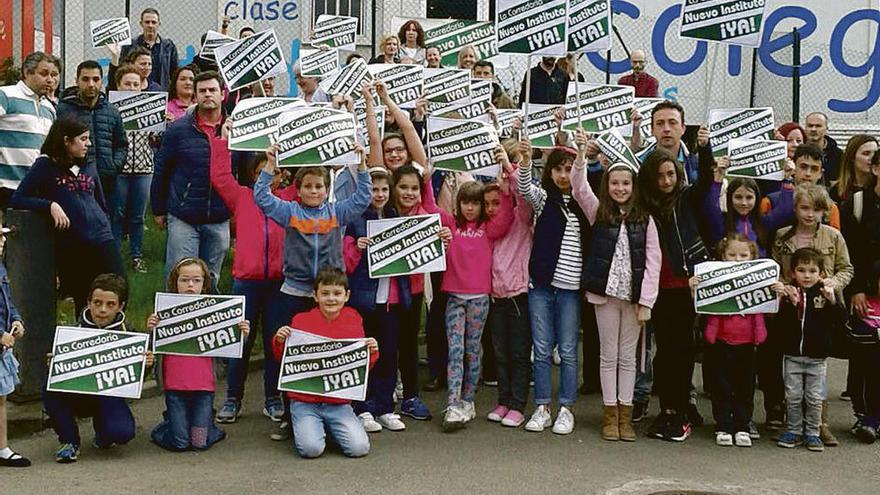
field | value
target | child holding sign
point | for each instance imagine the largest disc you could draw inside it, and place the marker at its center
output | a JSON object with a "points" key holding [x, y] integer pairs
{"points": [[313, 414]]}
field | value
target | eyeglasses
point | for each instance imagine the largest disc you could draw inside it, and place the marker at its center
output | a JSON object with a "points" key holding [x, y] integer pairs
{"points": [[396, 149]]}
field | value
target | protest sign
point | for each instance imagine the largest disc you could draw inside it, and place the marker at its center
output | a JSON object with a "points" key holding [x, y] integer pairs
{"points": [[405, 245], [97, 362], [404, 82], [615, 147], [316, 365], [645, 106], [450, 35], [313, 136], [757, 159], [505, 118], [213, 39], [589, 25], [540, 126], [250, 59], [347, 81], [535, 27], [198, 325], [736, 287], [360, 113], [737, 22], [141, 110], [461, 145], [444, 87], [602, 107], [110, 31], [481, 98], [318, 63], [254, 120], [726, 125], [335, 31]]}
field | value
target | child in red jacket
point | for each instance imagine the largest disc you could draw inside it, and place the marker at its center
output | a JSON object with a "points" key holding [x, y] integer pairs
{"points": [[313, 414]]}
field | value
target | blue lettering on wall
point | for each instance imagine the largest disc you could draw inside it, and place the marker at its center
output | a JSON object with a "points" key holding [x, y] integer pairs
{"points": [[261, 10], [872, 63], [658, 46], [770, 46]]}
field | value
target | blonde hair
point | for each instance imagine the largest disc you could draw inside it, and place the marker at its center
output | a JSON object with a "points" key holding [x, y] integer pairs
{"points": [[814, 195], [384, 41], [464, 49]]}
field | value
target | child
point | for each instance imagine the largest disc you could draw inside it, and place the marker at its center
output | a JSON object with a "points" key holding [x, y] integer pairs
{"points": [[11, 329], [778, 208], [807, 316], [622, 276], [313, 414], [188, 380], [112, 418], [743, 213]]}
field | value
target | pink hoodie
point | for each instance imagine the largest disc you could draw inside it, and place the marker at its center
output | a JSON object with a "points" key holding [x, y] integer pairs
{"points": [[510, 260]]}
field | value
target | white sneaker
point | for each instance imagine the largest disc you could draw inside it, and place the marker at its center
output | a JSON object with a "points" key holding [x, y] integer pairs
{"points": [[369, 423], [557, 359], [540, 419], [742, 439], [454, 418], [469, 411], [391, 421], [723, 439], [564, 422]]}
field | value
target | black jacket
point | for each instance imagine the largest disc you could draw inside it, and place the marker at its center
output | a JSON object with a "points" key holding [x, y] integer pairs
{"points": [[109, 147], [601, 253], [809, 332]]}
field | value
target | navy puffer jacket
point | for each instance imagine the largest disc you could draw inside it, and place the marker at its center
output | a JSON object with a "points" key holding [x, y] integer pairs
{"points": [[109, 147]]}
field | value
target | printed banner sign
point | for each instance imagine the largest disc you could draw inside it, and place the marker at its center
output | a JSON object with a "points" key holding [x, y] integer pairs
{"points": [[140, 110], [254, 120], [360, 113], [450, 35], [335, 31], [315, 136], [444, 87], [736, 287], [110, 31], [505, 118], [199, 325], [250, 60], [405, 245], [404, 82], [615, 147], [540, 126], [757, 159], [589, 25], [97, 362], [347, 81], [602, 107], [535, 27], [316, 365], [481, 98], [461, 145], [318, 63], [738, 22], [645, 106], [212, 40], [726, 125]]}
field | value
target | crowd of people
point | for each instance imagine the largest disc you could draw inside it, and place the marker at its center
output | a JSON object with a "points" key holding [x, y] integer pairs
{"points": [[564, 241]]}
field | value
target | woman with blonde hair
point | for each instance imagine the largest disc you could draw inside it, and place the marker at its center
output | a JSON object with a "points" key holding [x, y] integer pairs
{"points": [[389, 45]]}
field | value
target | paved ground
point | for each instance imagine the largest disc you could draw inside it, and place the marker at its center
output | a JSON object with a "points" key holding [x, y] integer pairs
{"points": [[484, 458]]}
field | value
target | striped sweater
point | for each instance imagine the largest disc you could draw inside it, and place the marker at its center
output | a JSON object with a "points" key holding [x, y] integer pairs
{"points": [[25, 119]]}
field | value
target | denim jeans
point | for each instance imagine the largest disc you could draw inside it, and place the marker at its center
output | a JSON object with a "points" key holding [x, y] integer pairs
{"points": [[382, 322], [188, 422], [804, 377], [645, 376], [208, 241], [311, 420], [555, 315], [130, 204], [111, 417], [512, 338]]}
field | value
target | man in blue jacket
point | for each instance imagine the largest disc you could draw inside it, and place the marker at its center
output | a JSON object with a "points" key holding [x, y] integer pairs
{"points": [[162, 49], [181, 194]]}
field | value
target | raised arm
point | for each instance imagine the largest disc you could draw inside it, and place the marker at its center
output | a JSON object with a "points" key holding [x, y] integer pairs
{"points": [[580, 186], [273, 207], [413, 143], [534, 195], [373, 132], [350, 208], [430, 204]]}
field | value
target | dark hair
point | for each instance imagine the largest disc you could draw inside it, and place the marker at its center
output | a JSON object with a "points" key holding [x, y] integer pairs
{"points": [[149, 10], [736, 237], [559, 156], [136, 52], [395, 135], [172, 86], [124, 70], [330, 275], [65, 127], [304, 171], [668, 105], [807, 256], [207, 76], [754, 216], [874, 278], [175, 274], [111, 282], [246, 28], [398, 173], [485, 63], [89, 65], [352, 56], [808, 150], [609, 211], [420, 36], [653, 200], [471, 191], [429, 47]]}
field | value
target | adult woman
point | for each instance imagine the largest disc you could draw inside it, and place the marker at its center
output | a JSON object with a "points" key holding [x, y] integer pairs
{"points": [[412, 37], [63, 184], [793, 134], [467, 57], [182, 95], [388, 45], [855, 167]]}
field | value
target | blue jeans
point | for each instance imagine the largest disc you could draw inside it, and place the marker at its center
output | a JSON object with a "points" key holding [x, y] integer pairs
{"points": [[130, 204], [188, 422], [645, 377], [263, 303], [208, 241], [111, 417], [803, 378], [311, 420], [555, 315]]}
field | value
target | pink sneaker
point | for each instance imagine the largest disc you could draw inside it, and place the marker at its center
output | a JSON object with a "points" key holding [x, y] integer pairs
{"points": [[513, 418], [498, 413]]}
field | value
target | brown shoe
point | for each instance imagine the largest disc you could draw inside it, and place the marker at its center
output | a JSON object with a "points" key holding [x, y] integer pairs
{"points": [[825, 434], [610, 422], [627, 434]]}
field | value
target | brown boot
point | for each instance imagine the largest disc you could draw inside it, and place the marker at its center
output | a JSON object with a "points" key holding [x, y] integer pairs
{"points": [[825, 434], [627, 434], [610, 421]]}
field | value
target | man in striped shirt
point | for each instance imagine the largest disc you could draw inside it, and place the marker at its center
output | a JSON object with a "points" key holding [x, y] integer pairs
{"points": [[26, 114]]}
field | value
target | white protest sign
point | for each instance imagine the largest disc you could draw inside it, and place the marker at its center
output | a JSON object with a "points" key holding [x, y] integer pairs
{"points": [[736, 287], [645, 106], [444, 87], [360, 113], [141, 110], [97, 362], [405, 245], [615, 147], [110, 31], [505, 117], [589, 25], [737, 22], [540, 126], [481, 98], [316, 365], [757, 159], [450, 35], [316, 136], [404, 82], [726, 125], [318, 63], [536, 27], [348, 80], [213, 39], [602, 107], [251, 59], [461, 145], [254, 120], [199, 325], [335, 31]]}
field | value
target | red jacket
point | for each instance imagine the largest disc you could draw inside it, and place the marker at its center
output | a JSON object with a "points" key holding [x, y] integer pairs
{"points": [[260, 250], [736, 329], [348, 325]]}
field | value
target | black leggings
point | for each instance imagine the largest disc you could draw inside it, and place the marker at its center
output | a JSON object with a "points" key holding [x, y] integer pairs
{"points": [[673, 319], [408, 350]]}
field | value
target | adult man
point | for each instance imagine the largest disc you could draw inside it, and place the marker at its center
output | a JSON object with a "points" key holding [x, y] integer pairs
{"points": [[311, 93], [484, 69], [25, 118], [181, 194], [817, 134], [162, 49], [109, 147], [646, 85], [548, 85], [667, 127]]}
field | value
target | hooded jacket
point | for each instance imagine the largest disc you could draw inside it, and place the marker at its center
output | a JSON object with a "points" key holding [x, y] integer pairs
{"points": [[109, 148]]}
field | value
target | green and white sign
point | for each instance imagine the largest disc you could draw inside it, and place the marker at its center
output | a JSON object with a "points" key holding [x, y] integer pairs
{"points": [[404, 82], [602, 107], [737, 22], [254, 120], [348, 80], [444, 87], [110, 31], [405, 245], [645, 107], [757, 159], [461, 145], [615, 147], [736, 287], [589, 25], [97, 362], [213, 39], [335, 31], [140, 110], [316, 365], [316, 136], [726, 125], [535, 27], [504, 119], [199, 325], [481, 98], [540, 126], [251, 59], [360, 113], [318, 63], [450, 35]]}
